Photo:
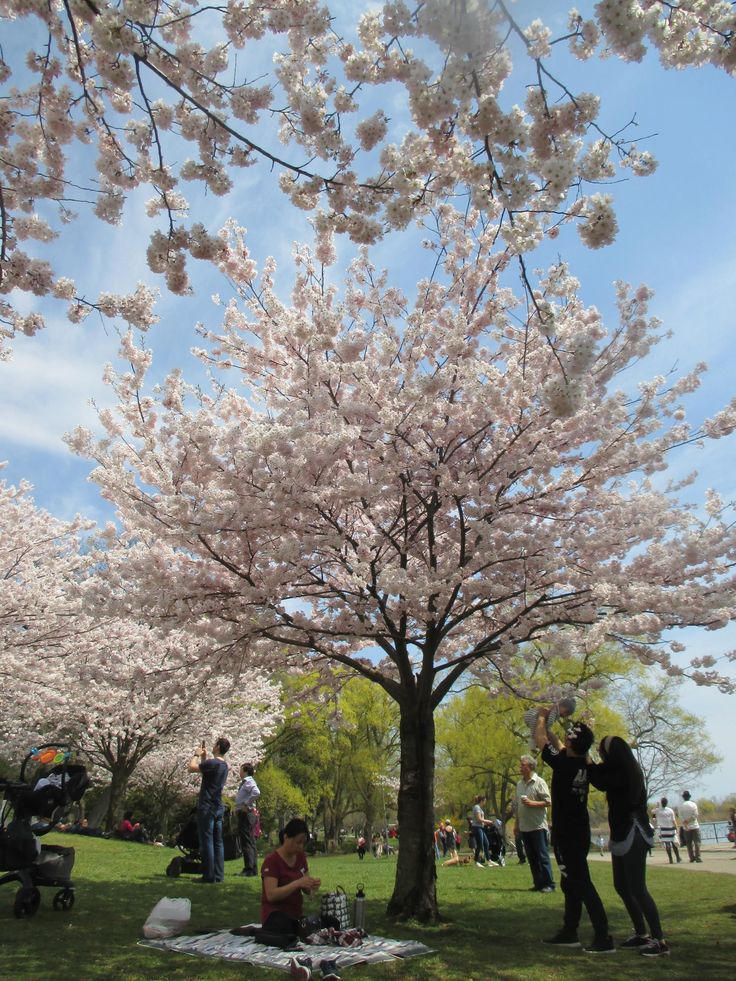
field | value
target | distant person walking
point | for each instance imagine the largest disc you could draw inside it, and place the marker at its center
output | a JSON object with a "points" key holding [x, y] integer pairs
{"points": [[691, 826], [478, 822], [632, 837], [666, 822], [247, 812], [210, 808], [532, 800]]}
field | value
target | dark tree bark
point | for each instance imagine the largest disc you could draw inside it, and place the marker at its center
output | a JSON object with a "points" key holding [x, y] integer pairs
{"points": [[415, 888]]}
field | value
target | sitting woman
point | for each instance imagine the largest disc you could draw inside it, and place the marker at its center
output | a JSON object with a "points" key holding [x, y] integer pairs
{"points": [[285, 878], [130, 830]]}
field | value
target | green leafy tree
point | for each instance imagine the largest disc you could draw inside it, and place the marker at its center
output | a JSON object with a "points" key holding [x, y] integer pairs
{"points": [[672, 744], [337, 744]]}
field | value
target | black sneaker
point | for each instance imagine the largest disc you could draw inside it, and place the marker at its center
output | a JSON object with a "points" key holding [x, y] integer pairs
{"points": [[656, 948], [635, 943], [329, 970], [563, 939], [601, 945]]}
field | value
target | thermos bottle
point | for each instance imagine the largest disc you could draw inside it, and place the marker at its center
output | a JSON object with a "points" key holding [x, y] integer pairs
{"points": [[359, 907]]}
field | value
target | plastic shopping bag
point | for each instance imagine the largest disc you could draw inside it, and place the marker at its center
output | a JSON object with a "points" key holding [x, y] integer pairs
{"points": [[167, 918]]}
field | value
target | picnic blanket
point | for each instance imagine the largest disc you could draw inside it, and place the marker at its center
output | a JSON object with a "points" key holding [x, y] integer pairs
{"points": [[231, 947]]}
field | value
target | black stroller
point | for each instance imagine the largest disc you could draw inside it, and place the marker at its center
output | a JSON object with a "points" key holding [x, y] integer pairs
{"points": [[187, 841], [48, 784], [496, 843]]}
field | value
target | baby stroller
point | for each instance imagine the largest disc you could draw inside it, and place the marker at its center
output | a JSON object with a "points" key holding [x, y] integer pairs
{"points": [[496, 843], [187, 841], [46, 787]]}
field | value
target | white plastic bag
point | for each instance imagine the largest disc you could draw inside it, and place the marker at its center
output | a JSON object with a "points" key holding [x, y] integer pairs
{"points": [[167, 918]]}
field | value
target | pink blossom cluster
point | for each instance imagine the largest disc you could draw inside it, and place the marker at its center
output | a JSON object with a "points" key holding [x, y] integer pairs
{"points": [[159, 99], [405, 475]]}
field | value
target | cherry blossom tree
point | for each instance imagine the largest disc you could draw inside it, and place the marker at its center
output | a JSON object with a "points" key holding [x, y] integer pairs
{"points": [[435, 479], [41, 562], [104, 98], [121, 693]]}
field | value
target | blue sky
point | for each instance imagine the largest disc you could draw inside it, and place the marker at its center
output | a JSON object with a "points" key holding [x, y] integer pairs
{"points": [[676, 236]]}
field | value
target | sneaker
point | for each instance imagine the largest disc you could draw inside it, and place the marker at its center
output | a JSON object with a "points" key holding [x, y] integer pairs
{"points": [[329, 970], [656, 948], [547, 889], [601, 945], [480, 865], [635, 942], [563, 939], [299, 971]]}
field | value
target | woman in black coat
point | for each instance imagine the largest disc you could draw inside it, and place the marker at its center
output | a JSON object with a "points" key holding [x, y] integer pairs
{"points": [[632, 837]]}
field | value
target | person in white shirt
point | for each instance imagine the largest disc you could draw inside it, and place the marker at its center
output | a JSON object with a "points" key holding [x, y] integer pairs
{"points": [[666, 822], [689, 819], [245, 808]]}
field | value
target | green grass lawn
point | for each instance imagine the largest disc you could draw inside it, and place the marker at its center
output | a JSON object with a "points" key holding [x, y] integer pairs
{"points": [[493, 923]]}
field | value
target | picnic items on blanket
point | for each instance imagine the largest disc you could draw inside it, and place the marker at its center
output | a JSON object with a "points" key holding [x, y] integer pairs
{"points": [[329, 936], [336, 904], [167, 918], [359, 907]]}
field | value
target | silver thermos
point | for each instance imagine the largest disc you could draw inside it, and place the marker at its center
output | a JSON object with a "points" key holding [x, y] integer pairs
{"points": [[359, 907]]}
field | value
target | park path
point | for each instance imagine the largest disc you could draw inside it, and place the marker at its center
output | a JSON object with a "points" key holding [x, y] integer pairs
{"points": [[716, 858]]}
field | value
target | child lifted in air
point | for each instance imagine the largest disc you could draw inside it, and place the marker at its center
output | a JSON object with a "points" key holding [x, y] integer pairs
{"points": [[560, 710]]}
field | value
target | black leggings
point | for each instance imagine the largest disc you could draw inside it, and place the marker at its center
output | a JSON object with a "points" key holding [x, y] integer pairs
{"points": [[629, 881]]}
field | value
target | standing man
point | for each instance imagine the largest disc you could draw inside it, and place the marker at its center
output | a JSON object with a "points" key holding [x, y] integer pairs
{"points": [[666, 823], [210, 808], [245, 808], [532, 801], [571, 834], [691, 826]]}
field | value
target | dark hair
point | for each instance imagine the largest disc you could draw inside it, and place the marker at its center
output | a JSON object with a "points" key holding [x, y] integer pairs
{"points": [[617, 754], [479, 798], [223, 744], [686, 795], [128, 816], [580, 737], [663, 802], [297, 826], [249, 768]]}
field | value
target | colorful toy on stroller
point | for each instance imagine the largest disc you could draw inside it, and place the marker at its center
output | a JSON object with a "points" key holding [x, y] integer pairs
{"points": [[48, 784]]}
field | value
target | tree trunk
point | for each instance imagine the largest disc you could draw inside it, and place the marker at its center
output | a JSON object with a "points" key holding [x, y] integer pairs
{"points": [[415, 889], [118, 790]]}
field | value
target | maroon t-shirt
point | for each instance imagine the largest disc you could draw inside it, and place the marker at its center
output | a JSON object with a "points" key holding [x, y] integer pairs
{"points": [[276, 868]]}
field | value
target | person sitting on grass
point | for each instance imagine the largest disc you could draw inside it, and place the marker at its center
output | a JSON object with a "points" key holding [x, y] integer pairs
{"points": [[131, 830], [285, 880]]}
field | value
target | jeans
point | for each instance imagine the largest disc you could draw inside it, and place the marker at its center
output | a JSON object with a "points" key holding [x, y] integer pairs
{"points": [[692, 841], [537, 853], [481, 842], [246, 833], [572, 858], [211, 845]]}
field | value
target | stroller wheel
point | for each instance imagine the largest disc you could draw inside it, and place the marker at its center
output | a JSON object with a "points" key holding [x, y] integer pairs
{"points": [[173, 869], [27, 900], [64, 899]]}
